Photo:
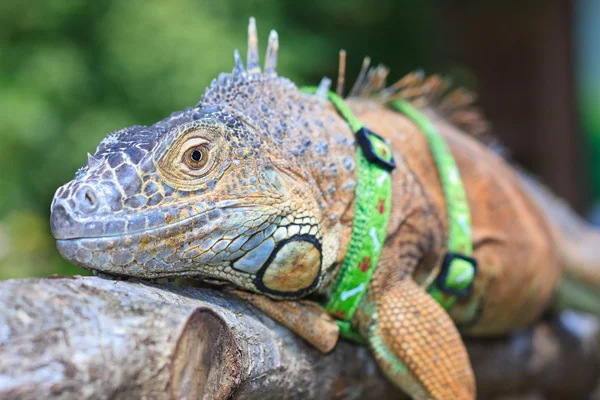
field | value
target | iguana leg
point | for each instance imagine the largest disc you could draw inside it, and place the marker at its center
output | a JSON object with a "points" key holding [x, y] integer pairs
{"points": [[303, 317], [418, 346]]}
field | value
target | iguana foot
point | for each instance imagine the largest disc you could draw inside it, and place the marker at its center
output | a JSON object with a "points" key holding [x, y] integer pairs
{"points": [[418, 346], [305, 318]]}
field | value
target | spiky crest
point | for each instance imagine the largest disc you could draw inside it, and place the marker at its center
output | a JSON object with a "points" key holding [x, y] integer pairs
{"points": [[354, 92], [456, 105], [341, 80], [272, 51], [249, 81], [239, 64], [253, 61], [93, 162], [323, 88]]}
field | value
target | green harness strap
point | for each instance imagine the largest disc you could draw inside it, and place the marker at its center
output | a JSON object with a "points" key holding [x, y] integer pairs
{"points": [[371, 214], [372, 206], [458, 268]]}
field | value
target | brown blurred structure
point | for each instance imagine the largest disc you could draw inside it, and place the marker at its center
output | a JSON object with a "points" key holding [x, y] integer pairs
{"points": [[522, 54]]}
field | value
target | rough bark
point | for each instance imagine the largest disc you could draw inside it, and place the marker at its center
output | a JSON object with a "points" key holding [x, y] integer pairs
{"points": [[80, 338]]}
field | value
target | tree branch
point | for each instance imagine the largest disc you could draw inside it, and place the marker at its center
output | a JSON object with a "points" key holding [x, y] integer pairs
{"points": [[87, 337]]}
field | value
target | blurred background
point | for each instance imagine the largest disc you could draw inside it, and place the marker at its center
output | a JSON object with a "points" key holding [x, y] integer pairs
{"points": [[71, 71]]}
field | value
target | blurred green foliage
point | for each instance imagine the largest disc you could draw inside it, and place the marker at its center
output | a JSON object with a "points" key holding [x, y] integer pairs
{"points": [[71, 71]]}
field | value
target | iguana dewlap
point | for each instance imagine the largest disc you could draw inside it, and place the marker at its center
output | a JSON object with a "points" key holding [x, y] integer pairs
{"points": [[255, 186]]}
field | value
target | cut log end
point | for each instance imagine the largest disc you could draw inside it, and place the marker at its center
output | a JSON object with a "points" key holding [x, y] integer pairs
{"points": [[206, 362]]}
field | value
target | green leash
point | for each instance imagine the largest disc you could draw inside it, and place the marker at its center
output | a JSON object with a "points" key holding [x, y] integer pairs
{"points": [[371, 214]]}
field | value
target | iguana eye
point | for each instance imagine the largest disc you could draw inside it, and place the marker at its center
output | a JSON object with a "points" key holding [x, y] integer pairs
{"points": [[196, 157], [192, 156]]}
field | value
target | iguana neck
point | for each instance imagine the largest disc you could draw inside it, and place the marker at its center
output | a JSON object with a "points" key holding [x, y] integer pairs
{"points": [[338, 192], [331, 170]]}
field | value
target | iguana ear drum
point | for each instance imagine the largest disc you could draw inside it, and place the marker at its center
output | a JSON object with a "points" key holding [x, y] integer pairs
{"points": [[293, 268]]}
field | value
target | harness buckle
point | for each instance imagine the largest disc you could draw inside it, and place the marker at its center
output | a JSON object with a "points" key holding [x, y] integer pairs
{"points": [[363, 138], [457, 274]]}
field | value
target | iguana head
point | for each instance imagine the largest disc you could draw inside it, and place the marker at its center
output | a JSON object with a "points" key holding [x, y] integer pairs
{"points": [[243, 187]]}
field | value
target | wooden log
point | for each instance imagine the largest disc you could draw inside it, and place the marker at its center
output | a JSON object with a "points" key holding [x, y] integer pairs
{"points": [[77, 338], [91, 338]]}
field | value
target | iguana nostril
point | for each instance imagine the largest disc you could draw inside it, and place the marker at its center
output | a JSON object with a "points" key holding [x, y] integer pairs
{"points": [[87, 200]]}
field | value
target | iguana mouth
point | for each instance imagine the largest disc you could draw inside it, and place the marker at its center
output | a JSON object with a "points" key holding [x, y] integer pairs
{"points": [[154, 230], [180, 247]]}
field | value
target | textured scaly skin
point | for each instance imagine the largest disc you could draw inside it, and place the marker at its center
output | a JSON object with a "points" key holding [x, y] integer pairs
{"points": [[268, 207]]}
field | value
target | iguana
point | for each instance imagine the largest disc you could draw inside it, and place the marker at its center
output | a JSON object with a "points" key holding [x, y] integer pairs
{"points": [[256, 186]]}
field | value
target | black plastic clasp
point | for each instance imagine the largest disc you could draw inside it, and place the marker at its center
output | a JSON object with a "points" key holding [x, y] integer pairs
{"points": [[364, 141], [442, 278]]}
